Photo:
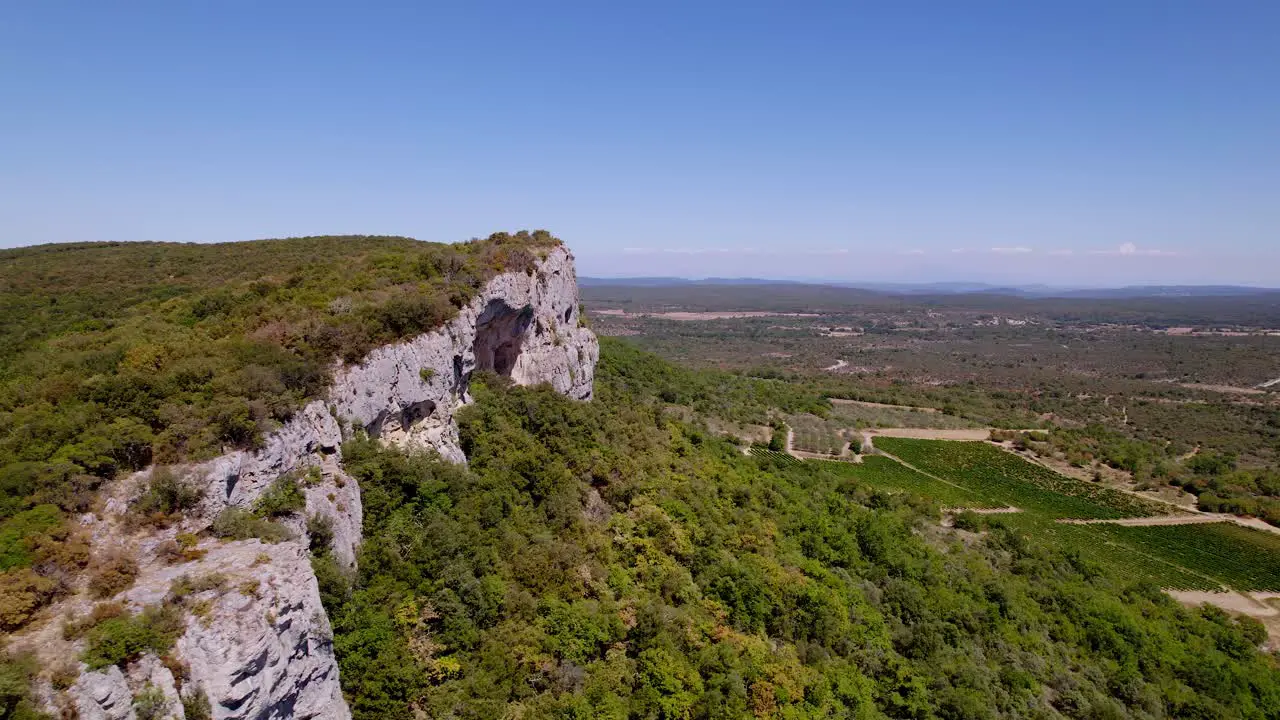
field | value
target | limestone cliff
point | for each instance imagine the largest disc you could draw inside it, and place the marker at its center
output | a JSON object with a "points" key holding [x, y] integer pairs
{"points": [[262, 649]]}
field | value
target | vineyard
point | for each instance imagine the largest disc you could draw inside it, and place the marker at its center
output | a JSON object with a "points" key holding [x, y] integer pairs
{"points": [[1244, 558], [1003, 477], [764, 452], [886, 474], [1093, 543], [976, 475]]}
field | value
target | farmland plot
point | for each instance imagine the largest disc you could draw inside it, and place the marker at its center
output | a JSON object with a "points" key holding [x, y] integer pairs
{"points": [[870, 415], [759, 451], [1095, 545], [887, 474], [811, 433], [1244, 558], [1007, 478]]}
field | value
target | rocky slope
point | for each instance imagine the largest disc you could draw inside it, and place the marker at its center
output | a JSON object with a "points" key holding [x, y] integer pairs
{"points": [[261, 645]]}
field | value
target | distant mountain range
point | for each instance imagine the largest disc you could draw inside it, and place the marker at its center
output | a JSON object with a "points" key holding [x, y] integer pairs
{"points": [[956, 288]]}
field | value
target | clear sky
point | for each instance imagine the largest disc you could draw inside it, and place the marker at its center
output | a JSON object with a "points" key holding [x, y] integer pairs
{"points": [[1074, 141]]}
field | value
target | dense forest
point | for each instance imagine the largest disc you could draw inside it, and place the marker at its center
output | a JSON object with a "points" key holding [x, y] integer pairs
{"points": [[605, 559]]}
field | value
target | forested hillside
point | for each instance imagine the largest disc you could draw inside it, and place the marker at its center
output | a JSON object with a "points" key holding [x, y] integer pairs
{"points": [[116, 355], [604, 560]]}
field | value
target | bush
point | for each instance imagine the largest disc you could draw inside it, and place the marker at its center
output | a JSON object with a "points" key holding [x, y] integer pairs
{"points": [[181, 549], [61, 548], [196, 706], [115, 573], [320, 532], [22, 593], [16, 699], [150, 704], [335, 584], [239, 524], [282, 497], [186, 586], [74, 629], [121, 639], [969, 520], [17, 533], [164, 496]]}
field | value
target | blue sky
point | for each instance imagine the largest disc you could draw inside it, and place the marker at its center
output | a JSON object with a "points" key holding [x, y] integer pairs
{"points": [[1075, 142]]}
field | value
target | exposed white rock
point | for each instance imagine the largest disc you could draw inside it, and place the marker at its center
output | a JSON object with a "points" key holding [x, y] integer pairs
{"points": [[103, 695], [337, 497], [148, 673], [269, 655], [265, 648]]}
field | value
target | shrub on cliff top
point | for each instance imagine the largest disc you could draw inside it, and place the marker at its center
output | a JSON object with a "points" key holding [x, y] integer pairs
{"points": [[239, 524], [113, 573], [121, 639], [22, 593], [164, 496], [282, 497]]}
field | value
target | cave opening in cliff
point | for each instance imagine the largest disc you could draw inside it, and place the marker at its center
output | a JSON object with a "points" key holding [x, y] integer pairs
{"points": [[500, 331]]}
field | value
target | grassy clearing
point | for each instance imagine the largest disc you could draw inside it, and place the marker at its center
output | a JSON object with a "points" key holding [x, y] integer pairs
{"points": [[872, 416], [811, 433]]}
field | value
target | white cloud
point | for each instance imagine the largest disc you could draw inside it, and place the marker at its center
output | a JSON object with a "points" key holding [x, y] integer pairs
{"points": [[1062, 253], [1132, 250], [916, 251], [1010, 250]]}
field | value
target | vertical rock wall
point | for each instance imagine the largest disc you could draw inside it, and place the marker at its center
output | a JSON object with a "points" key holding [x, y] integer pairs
{"points": [[267, 654]]}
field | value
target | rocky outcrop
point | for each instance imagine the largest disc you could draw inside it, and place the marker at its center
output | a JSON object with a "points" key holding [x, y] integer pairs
{"points": [[263, 651], [103, 695], [522, 325]]}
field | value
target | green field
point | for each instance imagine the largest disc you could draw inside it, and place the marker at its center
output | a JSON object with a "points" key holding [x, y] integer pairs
{"points": [[977, 475], [1182, 557], [1240, 557], [886, 474], [765, 452], [1009, 479], [1097, 545]]}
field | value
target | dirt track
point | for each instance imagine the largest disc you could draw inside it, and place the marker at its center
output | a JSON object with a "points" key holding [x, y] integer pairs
{"points": [[886, 406], [1226, 600], [931, 433]]}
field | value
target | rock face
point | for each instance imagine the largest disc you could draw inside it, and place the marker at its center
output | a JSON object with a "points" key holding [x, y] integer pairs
{"points": [[103, 695], [268, 654], [265, 649], [522, 325]]}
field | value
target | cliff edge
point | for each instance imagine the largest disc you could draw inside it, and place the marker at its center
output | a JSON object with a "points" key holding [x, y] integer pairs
{"points": [[257, 644]]}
